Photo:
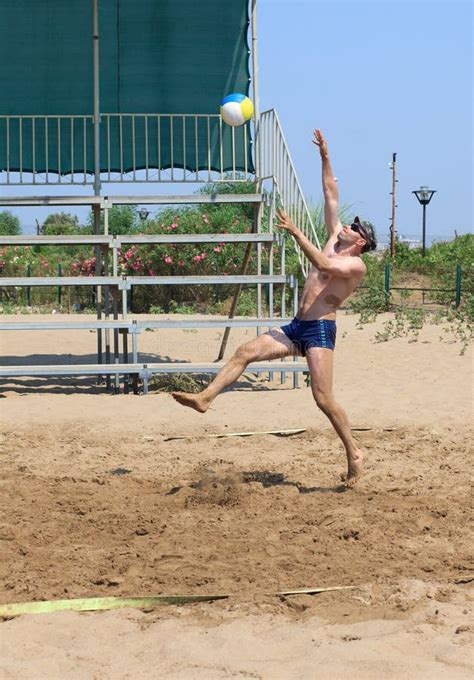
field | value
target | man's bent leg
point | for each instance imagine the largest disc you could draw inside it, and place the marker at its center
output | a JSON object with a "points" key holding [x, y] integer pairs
{"points": [[320, 363], [271, 345]]}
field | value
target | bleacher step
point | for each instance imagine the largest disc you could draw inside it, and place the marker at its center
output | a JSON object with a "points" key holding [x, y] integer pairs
{"points": [[146, 369]]}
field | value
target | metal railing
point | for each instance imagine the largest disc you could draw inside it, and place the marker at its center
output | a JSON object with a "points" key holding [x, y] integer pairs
{"points": [[277, 165], [174, 148], [138, 147], [34, 145], [134, 147], [455, 292]]}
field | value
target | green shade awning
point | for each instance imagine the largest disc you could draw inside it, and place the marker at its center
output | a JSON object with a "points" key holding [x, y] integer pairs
{"points": [[156, 57]]}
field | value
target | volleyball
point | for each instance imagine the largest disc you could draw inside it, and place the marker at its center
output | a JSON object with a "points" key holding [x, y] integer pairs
{"points": [[236, 109]]}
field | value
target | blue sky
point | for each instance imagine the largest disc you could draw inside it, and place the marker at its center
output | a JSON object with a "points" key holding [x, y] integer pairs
{"points": [[377, 77]]}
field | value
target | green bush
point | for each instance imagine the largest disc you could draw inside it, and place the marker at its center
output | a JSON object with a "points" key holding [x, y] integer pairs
{"points": [[123, 219], [9, 224], [60, 223]]}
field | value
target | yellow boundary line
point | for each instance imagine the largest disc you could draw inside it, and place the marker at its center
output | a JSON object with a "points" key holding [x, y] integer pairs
{"points": [[105, 603]]}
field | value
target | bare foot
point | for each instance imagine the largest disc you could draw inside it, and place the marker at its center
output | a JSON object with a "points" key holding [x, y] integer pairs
{"points": [[194, 401], [354, 470]]}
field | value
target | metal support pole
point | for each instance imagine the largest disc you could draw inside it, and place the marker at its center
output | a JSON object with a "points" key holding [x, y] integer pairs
{"points": [[96, 123], [114, 258], [233, 306], [116, 337], [134, 343], [394, 206], [98, 272], [283, 272], [96, 95], [424, 230], [283, 288], [257, 150], [271, 252], [124, 304], [60, 273], [28, 289], [106, 288], [256, 94], [295, 311], [270, 285], [126, 377], [107, 316], [258, 229], [106, 218], [270, 291], [424, 196], [135, 355], [457, 300]]}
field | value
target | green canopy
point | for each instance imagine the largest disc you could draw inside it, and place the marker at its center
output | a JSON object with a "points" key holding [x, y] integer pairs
{"points": [[156, 57]]}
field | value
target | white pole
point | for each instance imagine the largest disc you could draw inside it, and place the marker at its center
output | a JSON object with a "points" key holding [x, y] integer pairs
{"points": [[95, 47], [95, 207], [256, 101], [256, 122]]}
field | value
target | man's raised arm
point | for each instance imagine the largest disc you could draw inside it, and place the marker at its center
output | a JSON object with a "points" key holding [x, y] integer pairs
{"points": [[344, 268], [330, 190]]}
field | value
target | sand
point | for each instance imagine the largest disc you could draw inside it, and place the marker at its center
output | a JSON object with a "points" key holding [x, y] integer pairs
{"points": [[98, 500]]}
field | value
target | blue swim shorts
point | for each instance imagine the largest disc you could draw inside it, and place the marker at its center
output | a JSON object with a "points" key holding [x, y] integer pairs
{"points": [[314, 333]]}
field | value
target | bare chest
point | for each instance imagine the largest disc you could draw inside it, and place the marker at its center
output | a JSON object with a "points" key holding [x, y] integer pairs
{"points": [[330, 290]]}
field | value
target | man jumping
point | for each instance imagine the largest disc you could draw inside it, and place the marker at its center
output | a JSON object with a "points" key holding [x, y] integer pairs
{"points": [[335, 273]]}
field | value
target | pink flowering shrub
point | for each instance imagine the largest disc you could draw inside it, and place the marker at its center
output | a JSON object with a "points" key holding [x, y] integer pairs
{"points": [[183, 259], [26, 261]]}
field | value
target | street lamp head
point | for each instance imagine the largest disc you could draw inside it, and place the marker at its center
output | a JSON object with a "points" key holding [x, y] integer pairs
{"points": [[143, 214], [424, 195]]}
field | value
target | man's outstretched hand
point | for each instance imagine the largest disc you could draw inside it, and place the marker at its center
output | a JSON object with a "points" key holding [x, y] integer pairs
{"points": [[319, 140], [284, 222]]}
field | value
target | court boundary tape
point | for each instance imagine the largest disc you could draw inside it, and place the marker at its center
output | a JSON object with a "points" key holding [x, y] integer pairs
{"points": [[106, 603]]}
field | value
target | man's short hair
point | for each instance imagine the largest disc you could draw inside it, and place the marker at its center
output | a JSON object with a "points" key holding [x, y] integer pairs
{"points": [[366, 230]]}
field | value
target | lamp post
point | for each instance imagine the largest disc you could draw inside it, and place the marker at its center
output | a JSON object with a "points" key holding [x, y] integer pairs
{"points": [[424, 196], [393, 168], [143, 214]]}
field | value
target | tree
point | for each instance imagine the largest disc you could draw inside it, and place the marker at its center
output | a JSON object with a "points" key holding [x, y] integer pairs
{"points": [[123, 219], [9, 224], [60, 223], [228, 186]]}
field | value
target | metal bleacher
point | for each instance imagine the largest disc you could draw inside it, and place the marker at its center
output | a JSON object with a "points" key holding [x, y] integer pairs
{"points": [[122, 285], [265, 161], [108, 365]]}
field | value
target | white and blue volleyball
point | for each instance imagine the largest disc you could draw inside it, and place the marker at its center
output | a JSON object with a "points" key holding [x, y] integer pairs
{"points": [[236, 109]]}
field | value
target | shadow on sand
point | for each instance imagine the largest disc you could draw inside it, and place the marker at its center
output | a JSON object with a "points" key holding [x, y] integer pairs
{"points": [[76, 384], [266, 479]]}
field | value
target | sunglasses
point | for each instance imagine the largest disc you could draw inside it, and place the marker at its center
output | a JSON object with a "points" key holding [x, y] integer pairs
{"points": [[359, 229]]}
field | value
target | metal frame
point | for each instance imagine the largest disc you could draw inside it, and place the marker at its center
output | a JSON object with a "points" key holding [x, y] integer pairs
{"points": [[100, 122], [131, 126], [125, 282], [106, 202], [143, 371], [135, 328], [277, 166], [272, 162], [116, 241]]}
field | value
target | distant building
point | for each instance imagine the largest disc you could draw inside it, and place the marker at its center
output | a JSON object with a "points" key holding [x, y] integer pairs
{"points": [[410, 242]]}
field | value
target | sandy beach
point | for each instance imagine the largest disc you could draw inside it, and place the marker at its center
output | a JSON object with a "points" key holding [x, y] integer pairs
{"points": [[101, 499]]}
